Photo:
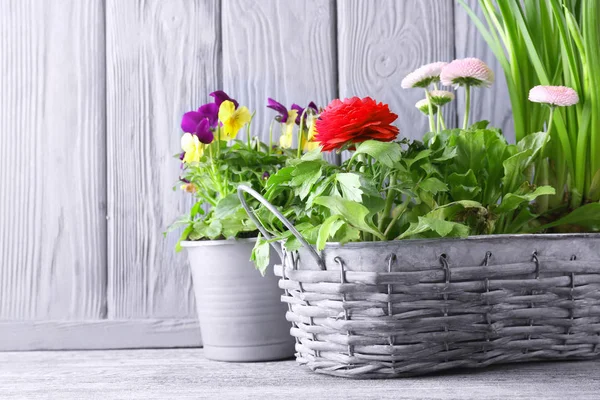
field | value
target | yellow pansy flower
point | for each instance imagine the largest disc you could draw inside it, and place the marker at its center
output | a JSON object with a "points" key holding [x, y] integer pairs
{"points": [[285, 141], [310, 144], [192, 147], [232, 119]]}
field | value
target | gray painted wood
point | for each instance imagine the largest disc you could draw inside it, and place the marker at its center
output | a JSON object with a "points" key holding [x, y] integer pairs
{"points": [[52, 160], [279, 49], [491, 104], [163, 59], [98, 334], [378, 46], [185, 374]]}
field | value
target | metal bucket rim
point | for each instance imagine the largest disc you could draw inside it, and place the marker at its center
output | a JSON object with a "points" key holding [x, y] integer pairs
{"points": [[221, 242], [408, 242]]}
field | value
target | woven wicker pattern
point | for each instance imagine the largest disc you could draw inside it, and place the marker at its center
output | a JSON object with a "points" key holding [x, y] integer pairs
{"points": [[401, 309]]}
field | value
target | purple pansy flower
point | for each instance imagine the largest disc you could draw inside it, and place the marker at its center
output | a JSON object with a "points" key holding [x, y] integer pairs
{"points": [[220, 96], [280, 108], [197, 124], [266, 175], [211, 112], [300, 110]]}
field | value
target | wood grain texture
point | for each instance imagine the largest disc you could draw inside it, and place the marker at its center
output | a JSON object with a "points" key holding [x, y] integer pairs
{"points": [[52, 160], [280, 49], [186, 374], [163, 58], [379, 46], [98, 334], [491, 104]]}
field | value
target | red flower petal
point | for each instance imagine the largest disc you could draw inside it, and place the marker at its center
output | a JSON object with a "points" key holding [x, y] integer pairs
{"points": [[354, 120]]}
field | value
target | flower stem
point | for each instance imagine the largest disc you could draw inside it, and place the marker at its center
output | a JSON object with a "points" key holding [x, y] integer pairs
{"points": [[218, 141], [389, 202], [270, 137], [248, 138], [399, 213], [442, 123], [431, 123], [467, 106], [439, 116]]}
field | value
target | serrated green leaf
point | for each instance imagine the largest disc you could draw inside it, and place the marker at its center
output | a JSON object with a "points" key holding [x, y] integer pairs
{"points": [[261, 255], [433, 185], [354, 213], [387, 153], [439, 227], [350, 186]]}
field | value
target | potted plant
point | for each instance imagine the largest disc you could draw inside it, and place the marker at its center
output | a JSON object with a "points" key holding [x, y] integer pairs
{"points": [[473, 287], [241, 316]]}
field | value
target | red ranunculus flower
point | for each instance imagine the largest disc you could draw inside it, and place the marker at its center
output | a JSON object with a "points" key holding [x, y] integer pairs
{"points": [[354, 120]]}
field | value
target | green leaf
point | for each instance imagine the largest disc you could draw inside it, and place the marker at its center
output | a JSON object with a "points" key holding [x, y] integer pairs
{"points": [[450, 210], [587, 216], [226, 206], [305, 175], [313, 155], [433, 185], [350, 186], [464, 186], [261, 255], [512, 201], [354, 213], [479, 125], [184, 236], [327, 230], [594, 194], [387, 153], [420, 156], [437, 226], [196, 209]]}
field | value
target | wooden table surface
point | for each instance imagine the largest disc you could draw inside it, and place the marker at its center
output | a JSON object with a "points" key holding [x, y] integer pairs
{"points": [[186, 374]]}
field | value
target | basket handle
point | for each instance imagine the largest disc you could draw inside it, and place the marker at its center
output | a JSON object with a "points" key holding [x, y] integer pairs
{"points": [[243, 188]]}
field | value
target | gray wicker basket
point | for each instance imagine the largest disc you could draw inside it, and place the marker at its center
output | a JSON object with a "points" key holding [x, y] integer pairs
{"points": [[404, 308]]}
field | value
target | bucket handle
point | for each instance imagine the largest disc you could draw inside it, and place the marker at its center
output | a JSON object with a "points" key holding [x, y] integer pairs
{"points": [[243, 188]]}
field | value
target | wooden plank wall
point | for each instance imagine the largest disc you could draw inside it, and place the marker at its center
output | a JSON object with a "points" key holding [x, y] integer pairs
{"points": [[91, 95]]}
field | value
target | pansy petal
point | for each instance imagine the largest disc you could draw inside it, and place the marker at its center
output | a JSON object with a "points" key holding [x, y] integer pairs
{"points": [[204, 133], [211, 112], [220, 96], [299, 110], [189, 121], [280, 108]]}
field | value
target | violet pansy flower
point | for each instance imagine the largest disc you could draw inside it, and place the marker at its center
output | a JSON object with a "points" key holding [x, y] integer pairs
{"points": [[220, 96], [211, 112], [311, 106], [197, 124], [280, 108]]}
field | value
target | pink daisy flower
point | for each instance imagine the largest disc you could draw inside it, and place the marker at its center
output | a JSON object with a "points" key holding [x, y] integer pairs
{"points": [[441, 97], [467, 72], [561, 96], [423, 76]]}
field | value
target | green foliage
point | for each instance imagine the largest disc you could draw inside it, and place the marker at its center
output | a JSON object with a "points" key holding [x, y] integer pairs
{"points": [[552, 42], [460, 183], [215, 179]]}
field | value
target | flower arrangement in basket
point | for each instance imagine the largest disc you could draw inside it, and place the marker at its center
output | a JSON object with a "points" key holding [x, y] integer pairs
{"points": [[502, 265], [475, 287]]}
